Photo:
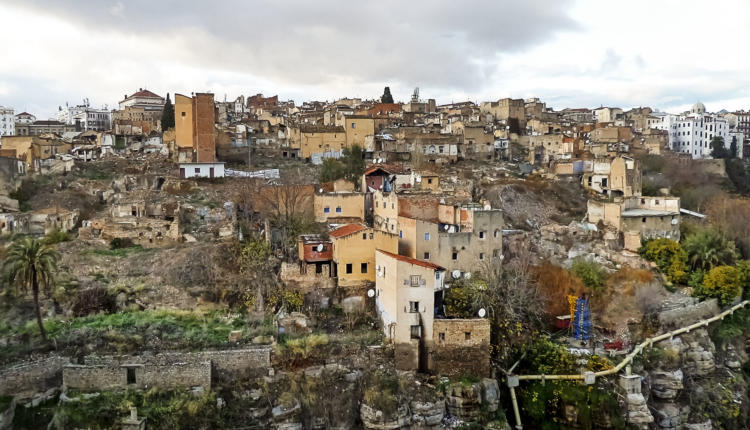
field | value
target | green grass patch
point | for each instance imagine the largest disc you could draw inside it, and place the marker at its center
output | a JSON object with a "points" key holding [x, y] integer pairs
{"points": [[162, 409], [119, 252]]}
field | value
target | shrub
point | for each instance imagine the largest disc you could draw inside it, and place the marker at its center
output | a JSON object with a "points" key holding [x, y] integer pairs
{"points": [[668, 256], [591, 273], [56, 236], [722, 282], [120, 243]]}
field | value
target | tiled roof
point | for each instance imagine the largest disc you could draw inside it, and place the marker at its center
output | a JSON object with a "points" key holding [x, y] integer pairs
{"points": [[412, 260], [347, 230], [145, 93]]}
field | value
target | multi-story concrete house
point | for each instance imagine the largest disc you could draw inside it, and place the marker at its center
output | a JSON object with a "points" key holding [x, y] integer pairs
{"points": [[618, 176], [354, 248], [194, 135], [639, 218], [7, 121]]}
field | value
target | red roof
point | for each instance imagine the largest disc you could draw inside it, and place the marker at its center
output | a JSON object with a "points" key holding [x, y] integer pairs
{"points": [[145, 93], [387, 168], [346, 230], [412, 260]]}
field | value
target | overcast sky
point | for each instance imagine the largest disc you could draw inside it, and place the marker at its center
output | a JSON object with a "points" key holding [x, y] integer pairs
{"points": [[666, 54]]}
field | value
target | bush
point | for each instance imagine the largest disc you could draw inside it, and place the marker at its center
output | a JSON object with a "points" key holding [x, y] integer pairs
{"points": [[668, 256], [56, 236], [591, 273], [723, 283], [120, 243]]}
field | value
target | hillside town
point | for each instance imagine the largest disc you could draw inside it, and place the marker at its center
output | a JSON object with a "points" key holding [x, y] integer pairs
{"points": [[193, 261]]}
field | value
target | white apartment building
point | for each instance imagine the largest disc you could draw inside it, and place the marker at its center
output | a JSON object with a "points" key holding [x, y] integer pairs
{"points": [[691, 133], [86, 117], [7, 122]]}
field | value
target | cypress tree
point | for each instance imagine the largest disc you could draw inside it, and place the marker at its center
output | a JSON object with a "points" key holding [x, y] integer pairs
{"points": [[386, 97], [167, 115]]}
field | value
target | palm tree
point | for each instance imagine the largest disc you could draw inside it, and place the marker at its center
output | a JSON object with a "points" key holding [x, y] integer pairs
{"points": [[708, 248], [29, 262]]}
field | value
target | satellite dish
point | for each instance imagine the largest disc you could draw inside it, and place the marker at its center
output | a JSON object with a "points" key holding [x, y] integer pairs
{"points": [[446, 227], [482, 313], [370, 293], [467, 275], [319, 248], [674, 221], [456, 274], [487, 207], [320, 190]]}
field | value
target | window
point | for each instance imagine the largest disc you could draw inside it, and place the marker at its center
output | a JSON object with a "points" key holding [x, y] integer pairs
{"points": [[482, 234], [497, 234], [183, 114], [413, 307], [400, 234], [326, 210], [415, 280], [363, 267], [130, 375], [429, 181], [454, 256], [467, 335], [371, 236], [481, 255], [376, 204], [354, 125], [338, 209], [426, 255], [643, 219], [441, 337], [427, 236], [348, 267], [416, 332], [197, 170], [364, 236]]}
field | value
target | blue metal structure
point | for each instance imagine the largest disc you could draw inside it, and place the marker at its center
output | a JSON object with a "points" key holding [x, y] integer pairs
{"points": [[582, 320]]}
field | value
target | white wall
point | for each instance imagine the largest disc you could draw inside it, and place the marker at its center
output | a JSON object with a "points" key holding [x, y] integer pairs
{"points": [[201, 170]]}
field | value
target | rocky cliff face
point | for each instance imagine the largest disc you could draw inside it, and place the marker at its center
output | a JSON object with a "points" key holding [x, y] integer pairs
{"points": [[689, 383]]}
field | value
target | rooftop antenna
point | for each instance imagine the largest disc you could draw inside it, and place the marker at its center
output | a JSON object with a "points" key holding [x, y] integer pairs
{"points": [[415, 95]]}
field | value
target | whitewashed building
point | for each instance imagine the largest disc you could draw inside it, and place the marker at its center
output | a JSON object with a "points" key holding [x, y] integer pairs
{"points": [[25, 118], [7, 122], [85, 117], [692, 132], [201, 170]]}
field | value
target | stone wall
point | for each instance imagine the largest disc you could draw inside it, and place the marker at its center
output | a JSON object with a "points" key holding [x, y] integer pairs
{"points": [[460, 347], [26, 379], [107, 377], [689, 314], [290, 273]]}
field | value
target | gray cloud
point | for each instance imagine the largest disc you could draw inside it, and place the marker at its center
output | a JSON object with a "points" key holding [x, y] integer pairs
{"points": [[439, 44]]}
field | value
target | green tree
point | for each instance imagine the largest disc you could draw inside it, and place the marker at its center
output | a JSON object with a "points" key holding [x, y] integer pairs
{"points": [[723, 283], [717, 147], [350, 166], [733, 148], [668, 256], [707, 248], [591, 273], [167, 115], [330, 170], [31, 263], [386, 97]]}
